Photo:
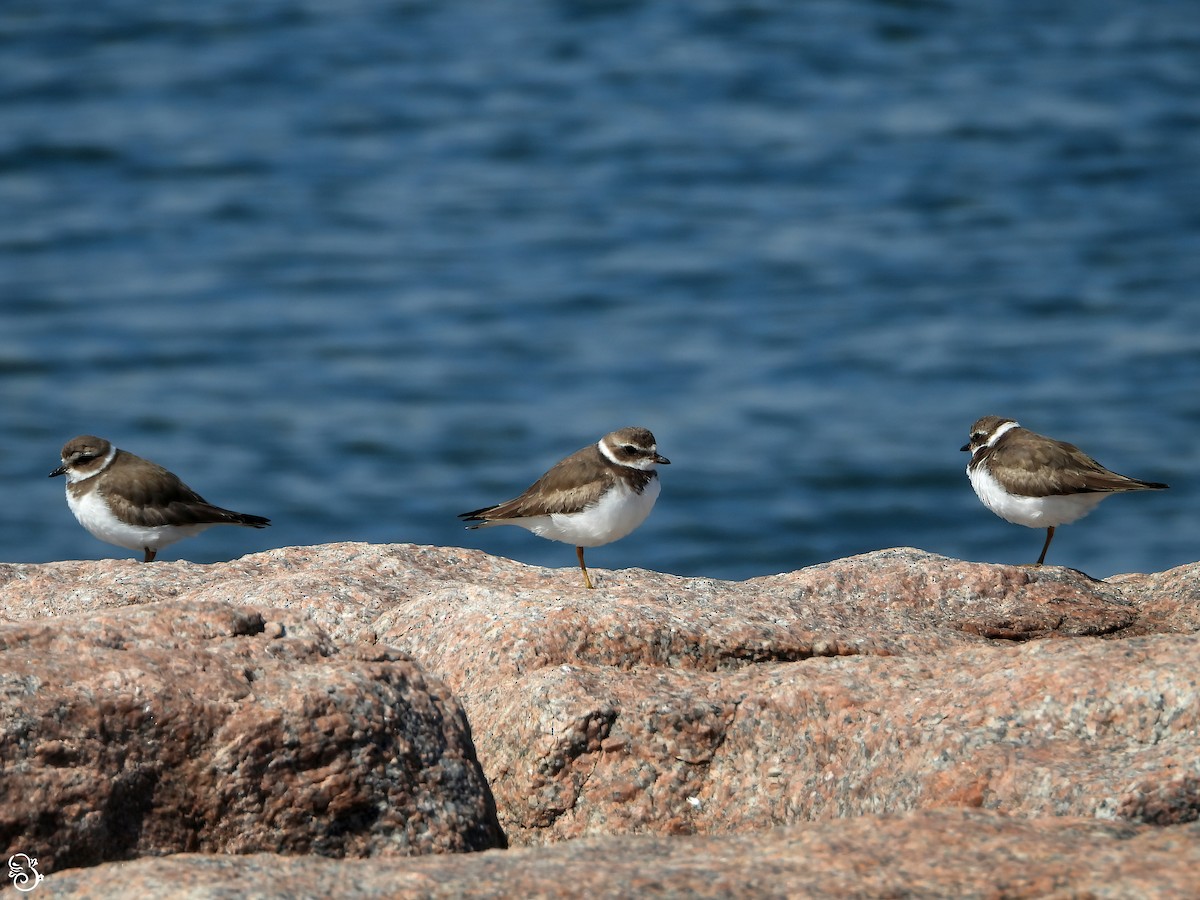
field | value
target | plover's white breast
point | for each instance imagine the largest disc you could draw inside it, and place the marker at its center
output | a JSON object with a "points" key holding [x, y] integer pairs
{"points": [[618, 512], [1033, 512], [93, 514]]}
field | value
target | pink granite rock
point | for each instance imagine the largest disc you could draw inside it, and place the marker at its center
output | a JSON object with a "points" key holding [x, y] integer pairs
{"points": [[888, 683], [939, 853], [891, 601], [1167, 601], [199, 726]]}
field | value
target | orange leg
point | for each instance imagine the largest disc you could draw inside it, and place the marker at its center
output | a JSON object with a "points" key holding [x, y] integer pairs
{"points": [[586, 579], [1046, 546], [149, 554]]}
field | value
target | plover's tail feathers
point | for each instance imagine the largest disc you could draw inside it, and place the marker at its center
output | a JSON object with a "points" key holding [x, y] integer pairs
{"points": [[478, 517], [248, 520], [214, 515]]}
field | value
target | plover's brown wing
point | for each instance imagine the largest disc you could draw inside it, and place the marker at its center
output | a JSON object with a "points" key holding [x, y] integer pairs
{"points": [[1036, 466], [144, 493], [568, 487], [1092, 476]]}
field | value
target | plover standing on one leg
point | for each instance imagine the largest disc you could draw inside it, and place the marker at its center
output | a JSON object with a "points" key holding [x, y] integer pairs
{"points": [[1036, 481]]}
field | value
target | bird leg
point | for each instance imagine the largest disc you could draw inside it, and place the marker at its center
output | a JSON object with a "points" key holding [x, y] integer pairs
{"points": [[586, 580], [149, 554], [1046, 546]]}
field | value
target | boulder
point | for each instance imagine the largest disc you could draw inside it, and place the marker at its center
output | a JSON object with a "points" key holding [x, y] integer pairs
{"points": [[876, 689], [201, 726]]}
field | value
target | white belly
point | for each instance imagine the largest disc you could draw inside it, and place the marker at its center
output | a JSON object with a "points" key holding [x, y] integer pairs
{"points": [[94, 515], [1033, 512], [616, 514]]}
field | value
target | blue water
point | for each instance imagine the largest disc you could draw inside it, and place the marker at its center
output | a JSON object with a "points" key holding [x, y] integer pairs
{"points": [[360, 266]]}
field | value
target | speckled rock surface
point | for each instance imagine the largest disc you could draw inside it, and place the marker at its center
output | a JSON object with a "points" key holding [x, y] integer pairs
{"points": [[935, 854], [890, 601], [201, 726], [1167, 601], [891, 683], [1039, 729]]}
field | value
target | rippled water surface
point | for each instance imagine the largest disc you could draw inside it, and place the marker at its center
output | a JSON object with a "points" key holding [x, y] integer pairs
{"points": [[361, 266]]}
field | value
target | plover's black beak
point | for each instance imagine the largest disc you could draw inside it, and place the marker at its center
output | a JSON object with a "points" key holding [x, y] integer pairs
{"points": [[965, 447], [661, 460], [61, 470]]}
